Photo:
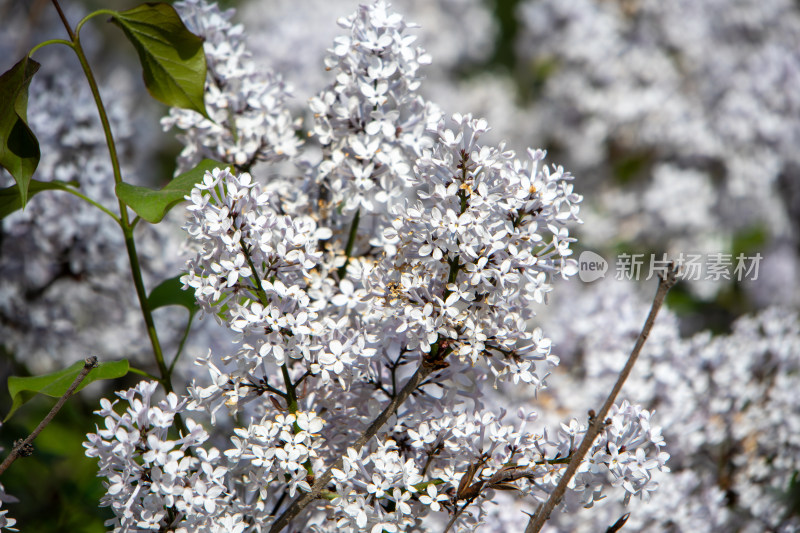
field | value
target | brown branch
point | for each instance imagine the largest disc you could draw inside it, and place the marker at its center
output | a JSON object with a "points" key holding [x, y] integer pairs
{"points": [[597, 423], [500, 480], [457, 513], [65, 22], [321, 481], [23, 447]]}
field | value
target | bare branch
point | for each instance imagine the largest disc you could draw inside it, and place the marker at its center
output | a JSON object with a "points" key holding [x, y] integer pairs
{"points": [[598, 422], [24, 447]]}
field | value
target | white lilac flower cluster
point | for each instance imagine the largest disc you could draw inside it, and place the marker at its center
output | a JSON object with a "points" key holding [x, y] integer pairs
{"points": [[247, 120], [370, 121], [627, 454], [281, 34], [154, 480], [470, 256], [460, 240], [254, 269], [727, 404], [278, 450]]}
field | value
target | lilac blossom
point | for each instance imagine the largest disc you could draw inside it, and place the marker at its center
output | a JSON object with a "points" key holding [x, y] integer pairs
{"points": [[247, 119], [471, 241], [154, 480], [280, 34], [396, 237], [371, 122]]}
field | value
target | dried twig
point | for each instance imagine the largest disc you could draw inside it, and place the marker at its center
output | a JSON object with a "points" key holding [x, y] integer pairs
{"points": [[24, 447], [598, 422]]}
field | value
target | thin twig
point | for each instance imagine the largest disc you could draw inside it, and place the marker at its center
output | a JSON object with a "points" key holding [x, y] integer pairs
{"points": [[457, 514], [22, 447], [319, 484], [598, 422]]}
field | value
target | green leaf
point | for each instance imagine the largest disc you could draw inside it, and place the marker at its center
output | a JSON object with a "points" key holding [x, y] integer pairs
{"points": [[750, 240], [170, 292], [152, 204], [57, 383], [11, 200], [19, 149], [172, 58]]}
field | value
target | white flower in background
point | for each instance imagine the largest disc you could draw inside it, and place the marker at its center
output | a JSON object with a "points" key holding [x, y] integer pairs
{"points": [[717, 398], [66, 288], [672, 88]]}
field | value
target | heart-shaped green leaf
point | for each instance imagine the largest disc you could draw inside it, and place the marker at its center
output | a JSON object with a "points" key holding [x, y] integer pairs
{"points": [[152, 204], [19, 149], [57, 383], [170, 292], [11, 199], [172, 57]]}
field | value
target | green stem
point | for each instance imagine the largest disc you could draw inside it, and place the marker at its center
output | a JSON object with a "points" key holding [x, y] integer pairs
{"points": [[291, 394], [88, 200], [291, 388], [47, 43], [124, 222], [262, 297], [112, 147], [147, 313], [351, 239], [86, 19], [141, 372], [182, 343], [454, 262]]}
